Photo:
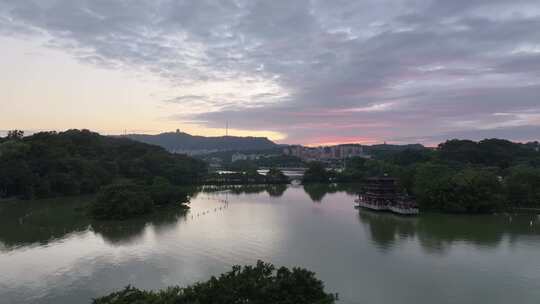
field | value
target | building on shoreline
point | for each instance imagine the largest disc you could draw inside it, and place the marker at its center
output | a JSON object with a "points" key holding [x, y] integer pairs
{"points": [[381, 194], [326, 152]]}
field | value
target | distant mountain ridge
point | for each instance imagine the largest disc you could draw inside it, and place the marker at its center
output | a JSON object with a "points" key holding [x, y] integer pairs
{"points": [[181, 142]]}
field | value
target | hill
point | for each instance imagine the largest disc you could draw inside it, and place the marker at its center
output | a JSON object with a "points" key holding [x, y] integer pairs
{"points": [[49, 164], [180, 142]]}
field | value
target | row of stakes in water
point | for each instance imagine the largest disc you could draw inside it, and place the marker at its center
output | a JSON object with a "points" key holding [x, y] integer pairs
{"points": [[224, 201]]}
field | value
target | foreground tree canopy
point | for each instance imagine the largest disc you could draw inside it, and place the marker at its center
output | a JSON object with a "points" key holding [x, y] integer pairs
{"points": [[260, 284], [49, 164]]}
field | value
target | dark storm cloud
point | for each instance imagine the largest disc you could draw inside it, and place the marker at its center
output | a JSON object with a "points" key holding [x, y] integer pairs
{"points": [[346, 69]]}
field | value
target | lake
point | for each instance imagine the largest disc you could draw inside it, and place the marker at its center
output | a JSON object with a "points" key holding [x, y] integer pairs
{"points": [[51, 253]]}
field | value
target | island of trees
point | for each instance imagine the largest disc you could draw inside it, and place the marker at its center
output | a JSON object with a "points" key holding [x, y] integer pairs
{"points": [[260, 284]]}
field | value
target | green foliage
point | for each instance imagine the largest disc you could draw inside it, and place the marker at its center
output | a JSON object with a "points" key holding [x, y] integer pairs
{"points": [[50, 164], [121, 201], [260, 284], [523, 186], [243, 166], [246, 177], [316, 173], [489, 152], [15, 135], [163, 192], [433, 187], [461, 175], [276, 176], [439, 187], [412, 156], [479, 191]]}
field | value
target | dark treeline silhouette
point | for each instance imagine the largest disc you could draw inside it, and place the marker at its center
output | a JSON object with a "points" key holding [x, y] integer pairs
{"points": [[132, 177], [459, 176], [258, 284], [180, 141], [73, 162]]}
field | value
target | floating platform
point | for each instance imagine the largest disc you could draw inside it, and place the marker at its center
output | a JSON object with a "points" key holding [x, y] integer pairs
{"points": [[388, 207]]}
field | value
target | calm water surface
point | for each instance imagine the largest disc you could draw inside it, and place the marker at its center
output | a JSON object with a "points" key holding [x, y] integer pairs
{"points": [[51, 253]]}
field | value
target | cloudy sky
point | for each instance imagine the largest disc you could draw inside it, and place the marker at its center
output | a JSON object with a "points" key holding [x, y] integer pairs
{"points": [[310, 72]]}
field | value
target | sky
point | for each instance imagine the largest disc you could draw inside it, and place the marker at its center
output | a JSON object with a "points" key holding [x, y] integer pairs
{"points": [[310, 72]]}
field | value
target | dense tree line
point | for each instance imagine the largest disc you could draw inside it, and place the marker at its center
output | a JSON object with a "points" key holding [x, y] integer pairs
{"points": [[460, 175], [49, 164], [317, 173], [260, 284]]}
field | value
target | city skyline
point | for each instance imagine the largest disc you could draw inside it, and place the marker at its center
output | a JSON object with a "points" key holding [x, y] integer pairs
{"points": [[298, 72]]}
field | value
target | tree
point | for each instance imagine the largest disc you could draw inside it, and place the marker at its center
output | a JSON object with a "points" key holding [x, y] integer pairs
{"points": [[15, 135], [523, 186], [260, 284], [477, 191], [121, 201], [276, 176], [439, 187], [163, 192], [433, 187], [316, 173], [49, 164]]}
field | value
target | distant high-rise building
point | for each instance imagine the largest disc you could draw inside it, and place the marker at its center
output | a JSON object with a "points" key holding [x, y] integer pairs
{"points": [[326, 152]]}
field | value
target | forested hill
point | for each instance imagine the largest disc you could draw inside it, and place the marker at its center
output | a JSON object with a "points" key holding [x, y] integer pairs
{"points": [[74, 162], [186, 143]]}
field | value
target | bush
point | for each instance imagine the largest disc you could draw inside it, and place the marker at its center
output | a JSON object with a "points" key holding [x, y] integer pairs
{"points": [[439, 187], [49, 164], [276, 176], [163, 192], [523, 186], [260, 284], [121, 201], [316, 173]]}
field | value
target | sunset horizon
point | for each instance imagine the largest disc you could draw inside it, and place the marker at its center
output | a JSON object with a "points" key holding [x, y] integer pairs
{"points": [[305, 72]]}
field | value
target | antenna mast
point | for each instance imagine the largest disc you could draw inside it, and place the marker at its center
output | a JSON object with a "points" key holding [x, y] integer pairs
{"points": [[227, 128]]}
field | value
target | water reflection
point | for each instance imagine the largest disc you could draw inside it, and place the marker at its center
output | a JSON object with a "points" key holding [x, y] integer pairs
{"points": [[386, 229], [129, 231], [39, 222], [273, 190], [26, 223], [436, 233], [276, 190], [317, 192], [50, 252]]}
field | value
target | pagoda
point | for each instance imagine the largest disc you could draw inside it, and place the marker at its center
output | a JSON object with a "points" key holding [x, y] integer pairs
{"points": [[381, 194]]}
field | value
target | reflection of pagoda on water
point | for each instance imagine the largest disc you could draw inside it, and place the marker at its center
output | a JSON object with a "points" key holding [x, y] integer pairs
{"points": [[380, 194]]}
